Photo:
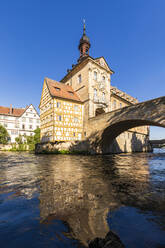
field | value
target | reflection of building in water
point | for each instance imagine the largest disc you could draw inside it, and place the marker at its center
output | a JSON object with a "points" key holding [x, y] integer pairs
{"points": [[69, 194], [83, 195], [20, 173], [80, 190]]}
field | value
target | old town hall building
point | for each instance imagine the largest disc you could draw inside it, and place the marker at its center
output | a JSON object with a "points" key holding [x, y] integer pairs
{"points": [[84, 92]]}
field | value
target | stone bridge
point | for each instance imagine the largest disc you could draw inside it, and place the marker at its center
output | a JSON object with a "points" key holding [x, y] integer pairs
{"points": [[158, 143], [106, 127]]}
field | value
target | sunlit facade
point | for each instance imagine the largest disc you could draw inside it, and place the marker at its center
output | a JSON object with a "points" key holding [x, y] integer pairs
{"points": [[61, 113]]}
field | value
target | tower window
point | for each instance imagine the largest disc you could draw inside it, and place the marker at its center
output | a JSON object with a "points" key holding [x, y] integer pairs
{"points": [[103, 78], [86, 51], [95, 75], [79, 79]]}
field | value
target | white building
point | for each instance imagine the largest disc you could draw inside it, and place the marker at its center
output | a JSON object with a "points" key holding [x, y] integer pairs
{"points": [[19, 121]]}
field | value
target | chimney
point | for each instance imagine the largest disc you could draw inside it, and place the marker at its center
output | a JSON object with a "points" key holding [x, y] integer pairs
{"points": [[10, 109]]}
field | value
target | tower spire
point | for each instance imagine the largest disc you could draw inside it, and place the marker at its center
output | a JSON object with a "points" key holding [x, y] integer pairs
{"points": [[83, 26], [84, 44]]}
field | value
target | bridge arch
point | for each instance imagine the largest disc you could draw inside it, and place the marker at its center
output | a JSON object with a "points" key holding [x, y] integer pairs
{"points": [[111, 132], [106, 127], [119, 127]]}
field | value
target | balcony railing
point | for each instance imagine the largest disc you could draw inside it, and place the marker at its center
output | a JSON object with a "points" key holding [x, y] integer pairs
{"points": [[100, 101]]}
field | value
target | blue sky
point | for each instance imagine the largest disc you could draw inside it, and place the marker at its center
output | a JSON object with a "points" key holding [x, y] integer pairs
{"points": [[39, 39]]}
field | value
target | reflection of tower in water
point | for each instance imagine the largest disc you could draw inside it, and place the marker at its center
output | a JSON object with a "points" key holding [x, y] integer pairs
{"points": [[82, 190], [70, 193]]}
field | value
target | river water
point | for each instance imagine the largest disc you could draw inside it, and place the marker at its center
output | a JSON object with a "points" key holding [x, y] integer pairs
{"points": [[68, 200]]}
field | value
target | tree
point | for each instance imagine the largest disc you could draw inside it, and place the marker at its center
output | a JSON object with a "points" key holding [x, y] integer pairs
{"points": [[37, 135], [19, 140], [4, 136], [30, 140]]}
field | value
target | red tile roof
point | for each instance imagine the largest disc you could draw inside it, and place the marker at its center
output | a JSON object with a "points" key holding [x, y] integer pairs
{"points": [[61, 90], [14, 111]]}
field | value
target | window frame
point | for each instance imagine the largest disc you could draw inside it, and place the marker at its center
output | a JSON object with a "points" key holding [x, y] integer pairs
{"points": [[95, 75], [79, 79]]}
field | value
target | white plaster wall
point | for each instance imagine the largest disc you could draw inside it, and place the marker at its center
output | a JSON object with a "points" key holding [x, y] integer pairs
{"points": [[14, 125]]}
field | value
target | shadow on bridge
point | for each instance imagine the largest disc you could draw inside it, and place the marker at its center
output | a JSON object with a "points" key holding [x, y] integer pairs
{"points": [[108, 140]]}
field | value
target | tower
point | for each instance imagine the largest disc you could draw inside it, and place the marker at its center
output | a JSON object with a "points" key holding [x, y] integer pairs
{"points": [[84, 45]]}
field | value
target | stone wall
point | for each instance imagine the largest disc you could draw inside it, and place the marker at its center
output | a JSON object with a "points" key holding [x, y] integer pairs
{"points": [[125, 142], [129, 142]]}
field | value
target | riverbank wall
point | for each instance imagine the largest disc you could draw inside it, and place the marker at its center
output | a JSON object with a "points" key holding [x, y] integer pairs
{"points": [[124, 143], [6, 147]]}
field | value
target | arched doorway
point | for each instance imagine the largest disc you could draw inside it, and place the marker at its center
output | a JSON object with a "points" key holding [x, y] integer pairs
{"points": [[99, 111]]}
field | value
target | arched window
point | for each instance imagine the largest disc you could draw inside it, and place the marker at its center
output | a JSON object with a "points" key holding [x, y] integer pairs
{"points": [[95, 75], [114, 104], [103, 97], [103, 78]]}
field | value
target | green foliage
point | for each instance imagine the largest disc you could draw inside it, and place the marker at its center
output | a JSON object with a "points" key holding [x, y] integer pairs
{"points": [[35, 138], [30, 140], [18, 148], [37, 135], [26, 143], [55, 151], [4, 136], [31, 147], [19, 140], [64, 152]]}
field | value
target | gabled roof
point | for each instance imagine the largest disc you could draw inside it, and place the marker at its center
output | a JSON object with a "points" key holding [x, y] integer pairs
{"points": [[61, 90], [12, 112], [28, 106], [105, 65], [83, 62]]}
